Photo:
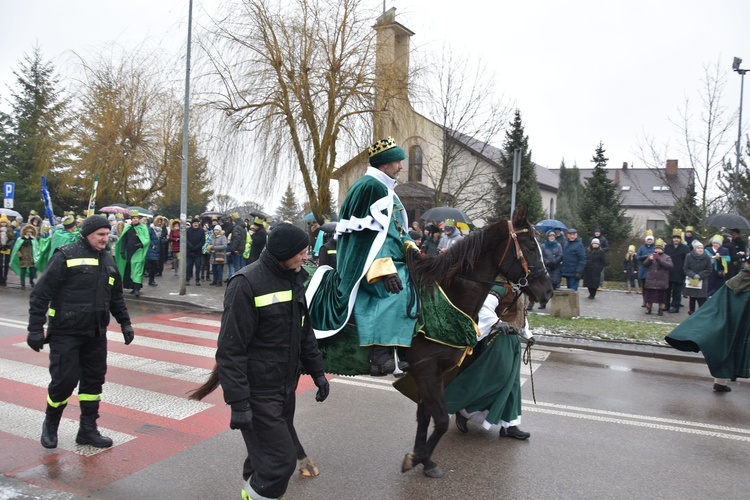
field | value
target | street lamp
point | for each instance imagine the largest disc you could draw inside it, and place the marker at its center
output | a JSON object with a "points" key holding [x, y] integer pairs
{"points": [[736, 67]]}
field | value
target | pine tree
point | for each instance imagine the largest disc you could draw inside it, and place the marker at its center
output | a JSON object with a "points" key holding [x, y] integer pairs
{"points": [[289, 208], [567, 195], [527, 190], [33, 137], [685, 211], [600, 204]]}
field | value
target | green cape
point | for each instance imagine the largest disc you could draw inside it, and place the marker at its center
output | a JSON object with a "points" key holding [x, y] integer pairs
{"points": [[720, 329], [47, 246], [138, 261], [14, 264]]}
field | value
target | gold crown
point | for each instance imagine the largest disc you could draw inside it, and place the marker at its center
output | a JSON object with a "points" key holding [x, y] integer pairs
{"points": [[381, 145]]}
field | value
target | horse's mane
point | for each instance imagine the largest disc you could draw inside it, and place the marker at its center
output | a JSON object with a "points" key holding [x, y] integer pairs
{"points": [[442, 268]]}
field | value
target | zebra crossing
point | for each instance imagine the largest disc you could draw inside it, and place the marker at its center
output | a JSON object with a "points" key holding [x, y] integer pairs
{"points": [[145, 407]]}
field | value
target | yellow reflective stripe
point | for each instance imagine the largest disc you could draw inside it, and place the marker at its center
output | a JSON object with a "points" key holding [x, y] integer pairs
{"points": [[54, 404], [273, 298], [89, 397], [51, 312], [82, 262], [331, 252], [111, 281]]}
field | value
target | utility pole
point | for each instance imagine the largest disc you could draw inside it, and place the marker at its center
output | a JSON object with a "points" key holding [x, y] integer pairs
{"points": [[735, 196], [516, 179], [182, 268]]}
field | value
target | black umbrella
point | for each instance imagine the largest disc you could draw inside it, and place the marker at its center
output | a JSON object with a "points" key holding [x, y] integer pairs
{"points": [[442, 213], [729, 221], [213, 213]]}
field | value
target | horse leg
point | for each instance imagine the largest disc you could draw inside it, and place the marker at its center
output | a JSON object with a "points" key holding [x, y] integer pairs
{"points": [[434, 406], [415, 458]]}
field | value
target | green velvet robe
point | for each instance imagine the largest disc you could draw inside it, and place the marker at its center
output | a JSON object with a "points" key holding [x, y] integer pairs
{"points": [[720, 329], [138, 261], [15, 265], [372, 225], [47, 246]]}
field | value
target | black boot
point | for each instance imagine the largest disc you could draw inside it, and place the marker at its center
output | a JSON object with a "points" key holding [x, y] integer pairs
{"points": [[137, 289], [660, 312], [381, 361], [152, 282], [50, 426], [514, 432], [88, 433]]}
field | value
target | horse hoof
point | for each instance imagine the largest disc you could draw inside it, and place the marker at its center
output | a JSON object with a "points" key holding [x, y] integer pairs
{"points": [[434, 472], [408, 463], [307, 468]]}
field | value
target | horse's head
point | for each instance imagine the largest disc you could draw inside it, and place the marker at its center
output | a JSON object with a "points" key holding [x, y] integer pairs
{"points": [[521, 261]]}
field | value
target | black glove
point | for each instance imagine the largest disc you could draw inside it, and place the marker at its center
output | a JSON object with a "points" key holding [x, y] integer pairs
{"points": [[578, 276], [392, 283], [501, 327], [35, 340], [127, 333], [242, 416], [323, 388]]}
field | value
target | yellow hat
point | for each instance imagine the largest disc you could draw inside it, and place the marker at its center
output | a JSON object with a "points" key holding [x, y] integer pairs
{"points": [[659, 244], [677, 232], [68, 221], [134, 213], [258, 221], [689, 228], [649, 232], [236, 215], [631, 247], [719, 238], [450, 223], [3, 218]]}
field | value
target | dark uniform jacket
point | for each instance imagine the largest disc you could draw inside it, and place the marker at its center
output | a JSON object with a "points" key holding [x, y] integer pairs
{"points": [[239, 235], [258, 243], [265, 332], [80, 286], [328, 254], [677, 254]]}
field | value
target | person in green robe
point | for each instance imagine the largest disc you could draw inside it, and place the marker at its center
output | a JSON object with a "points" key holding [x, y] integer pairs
{"points": [[24, 254], [371, 280], [720, 329], [130, 253], [60, 237], [488, 390]]}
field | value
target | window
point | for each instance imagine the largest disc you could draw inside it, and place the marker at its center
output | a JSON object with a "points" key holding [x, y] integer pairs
{"points": [[415, 163], [626, 188], [660, 188], [657, 226]]}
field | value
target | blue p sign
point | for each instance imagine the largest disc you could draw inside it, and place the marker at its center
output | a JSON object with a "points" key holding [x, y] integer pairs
{"points": [[9, 189]]}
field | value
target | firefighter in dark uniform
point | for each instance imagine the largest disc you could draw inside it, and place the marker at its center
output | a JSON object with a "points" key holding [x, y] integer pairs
{"points": [[79, 288], [265, 334], [328, 252]]}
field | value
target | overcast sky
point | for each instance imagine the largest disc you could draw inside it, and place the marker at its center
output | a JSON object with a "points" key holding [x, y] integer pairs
{"points": [[579, 71]]}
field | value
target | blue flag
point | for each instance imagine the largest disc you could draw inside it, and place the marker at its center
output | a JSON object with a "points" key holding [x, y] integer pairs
{"points": [[47, 203]]}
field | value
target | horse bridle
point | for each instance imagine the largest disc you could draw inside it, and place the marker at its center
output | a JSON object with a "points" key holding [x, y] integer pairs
{"points": [[524, 281]]}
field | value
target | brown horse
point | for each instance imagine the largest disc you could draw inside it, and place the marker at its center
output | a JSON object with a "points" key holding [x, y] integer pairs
{"points": [[466, 272]]}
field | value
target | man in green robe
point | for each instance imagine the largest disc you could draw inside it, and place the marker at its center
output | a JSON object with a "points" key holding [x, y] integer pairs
{"points": [[60, 237], [371, 279], [130, 253], [720, 329]]}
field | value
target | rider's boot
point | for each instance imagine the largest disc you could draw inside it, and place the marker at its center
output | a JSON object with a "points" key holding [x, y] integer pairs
{"points": [[381, 361]]}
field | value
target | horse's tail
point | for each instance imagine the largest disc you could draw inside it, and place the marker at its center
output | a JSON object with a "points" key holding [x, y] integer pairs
{"points": [[414, 300], [208, 387]]}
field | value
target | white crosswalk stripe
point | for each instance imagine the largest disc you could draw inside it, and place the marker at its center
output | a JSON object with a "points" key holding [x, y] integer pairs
{"points": [[165, 345], [156, 327], [27, 423], [133, 398], [198, 321]]}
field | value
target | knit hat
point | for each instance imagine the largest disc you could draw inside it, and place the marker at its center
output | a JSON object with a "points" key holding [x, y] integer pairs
{"points": [[717, 239], [649, 237], [631, 247], [659, 244], [385, 151], [689, 229], [194, 219], [415, 235], [550, 232], [68, 221], [92, 224], [286, 240], [4, 219], [595, 240], [697, 244]]}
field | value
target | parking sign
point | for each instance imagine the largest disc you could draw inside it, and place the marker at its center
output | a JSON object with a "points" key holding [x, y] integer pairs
{"points": [[9, 188]]}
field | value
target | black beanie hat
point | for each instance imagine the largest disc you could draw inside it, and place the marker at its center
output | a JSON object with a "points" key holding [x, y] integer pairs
{"points": [[286, 240], [93, 223]]}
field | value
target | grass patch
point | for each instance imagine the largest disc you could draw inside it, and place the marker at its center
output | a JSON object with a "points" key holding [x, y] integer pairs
{"points": [[600, 329]]}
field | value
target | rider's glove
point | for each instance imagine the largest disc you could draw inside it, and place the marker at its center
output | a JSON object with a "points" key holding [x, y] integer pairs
{"points": [[392, 283]]}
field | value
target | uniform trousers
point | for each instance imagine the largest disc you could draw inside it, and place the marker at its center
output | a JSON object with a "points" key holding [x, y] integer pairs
{"points": [[74, 359], [271, 455]]}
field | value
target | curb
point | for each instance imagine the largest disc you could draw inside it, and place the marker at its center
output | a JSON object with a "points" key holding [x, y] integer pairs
{"points": [[614, 347]]}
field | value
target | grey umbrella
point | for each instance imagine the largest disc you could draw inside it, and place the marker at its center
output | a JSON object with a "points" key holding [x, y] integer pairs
{"points": [[728, 221], [442, 213]]}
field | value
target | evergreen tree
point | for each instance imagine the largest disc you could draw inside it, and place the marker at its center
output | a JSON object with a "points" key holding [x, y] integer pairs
{"points": [[567, 195], [685, 211], [288, 208], [33, 135], [600, 204], [527, 189]]}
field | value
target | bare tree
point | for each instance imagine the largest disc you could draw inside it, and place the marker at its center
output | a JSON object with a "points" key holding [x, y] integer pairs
{"points": [[704, 141], [299, 77], [459, 94]]}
